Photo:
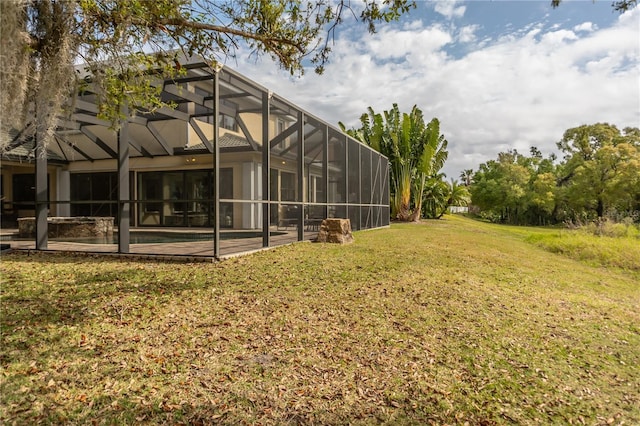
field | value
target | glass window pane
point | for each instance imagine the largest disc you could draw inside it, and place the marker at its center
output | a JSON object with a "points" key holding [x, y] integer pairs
{"points": [[288, 185], [175, 210]]}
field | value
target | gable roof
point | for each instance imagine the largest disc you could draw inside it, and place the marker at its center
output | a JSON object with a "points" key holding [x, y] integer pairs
{"points": [[228, 141], [26, 150]]}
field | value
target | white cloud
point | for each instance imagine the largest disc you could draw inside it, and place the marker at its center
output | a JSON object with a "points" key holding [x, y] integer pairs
{"points": [[586, 27], [402, 43], [467, 33], [448, 9], [559, 37], [519, 90]]}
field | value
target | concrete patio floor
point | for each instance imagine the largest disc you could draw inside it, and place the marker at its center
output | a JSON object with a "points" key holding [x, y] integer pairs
{"points": [[187, 250]]}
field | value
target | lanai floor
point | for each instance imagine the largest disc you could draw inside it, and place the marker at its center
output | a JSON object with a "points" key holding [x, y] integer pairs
{"points": [[200, 250]]}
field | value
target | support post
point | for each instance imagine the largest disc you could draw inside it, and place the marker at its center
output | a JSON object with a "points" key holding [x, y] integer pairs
{"points": [[216, 164], [325, 167], [124, 203], [266, 170], [301, 215], [42, 191], [347, 213]]}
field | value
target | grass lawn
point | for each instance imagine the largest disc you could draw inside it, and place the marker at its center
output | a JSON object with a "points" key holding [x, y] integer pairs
{"points": [[445, 322]]}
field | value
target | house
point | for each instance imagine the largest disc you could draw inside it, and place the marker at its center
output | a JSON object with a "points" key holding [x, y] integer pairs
{"points": [[231, 157]]}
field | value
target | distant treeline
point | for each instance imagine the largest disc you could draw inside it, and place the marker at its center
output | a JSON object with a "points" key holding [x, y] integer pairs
{"points": [[598, 177]]}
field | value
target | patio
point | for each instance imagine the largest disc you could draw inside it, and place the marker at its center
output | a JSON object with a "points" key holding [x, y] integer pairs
{"points": [[185, 250]]}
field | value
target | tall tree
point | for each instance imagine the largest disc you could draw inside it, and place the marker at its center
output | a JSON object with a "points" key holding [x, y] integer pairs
{"points": [[416, 151], [430, 162], [502, 188], [122, 41], [466, 176], [601, 167]]}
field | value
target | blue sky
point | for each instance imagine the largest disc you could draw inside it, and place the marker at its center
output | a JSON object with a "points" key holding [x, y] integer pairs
{"points": [[498, 74]]}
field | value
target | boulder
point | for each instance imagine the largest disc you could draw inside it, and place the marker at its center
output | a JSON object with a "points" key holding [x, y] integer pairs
{"points": [[335, 230]]}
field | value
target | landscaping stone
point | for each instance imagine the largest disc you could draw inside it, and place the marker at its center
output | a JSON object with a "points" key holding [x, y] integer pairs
{"points": [[335, 230], [68, 227]]}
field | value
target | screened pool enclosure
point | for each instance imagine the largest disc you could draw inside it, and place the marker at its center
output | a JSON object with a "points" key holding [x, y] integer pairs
{"points": [[234, 165]]}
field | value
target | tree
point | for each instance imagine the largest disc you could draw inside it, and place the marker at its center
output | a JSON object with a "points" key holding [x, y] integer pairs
{"points": [[430, 162], [504, 189], [416, 151], [542, 198], [436, 194], [619, 5], [466, 176], [121, 42], [441, 195], [599, 176], [601, 167]]}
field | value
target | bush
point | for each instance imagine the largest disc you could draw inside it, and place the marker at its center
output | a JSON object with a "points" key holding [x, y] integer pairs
{"points": [[608, 228], [624, 227]]}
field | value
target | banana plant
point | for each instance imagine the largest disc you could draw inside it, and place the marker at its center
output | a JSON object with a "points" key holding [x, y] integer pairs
{"points": [[416, 152], [430, 162]]}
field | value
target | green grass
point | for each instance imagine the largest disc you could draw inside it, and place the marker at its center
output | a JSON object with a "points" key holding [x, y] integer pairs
{"points": [[443, 322], [599, 250]]}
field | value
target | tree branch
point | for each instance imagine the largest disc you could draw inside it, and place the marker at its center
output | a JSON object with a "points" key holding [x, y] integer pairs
{"points": [[178, 22]]}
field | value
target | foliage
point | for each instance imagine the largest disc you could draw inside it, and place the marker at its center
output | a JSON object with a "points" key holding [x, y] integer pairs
{"points": [[466, 176], [491, 330], [440, 195], [416, 151], [601, 170], [602, 244], [122, 42], [618, 5], [599, 176]]}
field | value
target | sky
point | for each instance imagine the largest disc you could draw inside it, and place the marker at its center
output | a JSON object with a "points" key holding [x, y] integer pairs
{"points": [[498, 75]]}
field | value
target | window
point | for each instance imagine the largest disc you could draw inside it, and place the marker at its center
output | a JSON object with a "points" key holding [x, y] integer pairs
{"points": [[226, 192], [184, 198], [280, 127], [100, 189], [315, 189], [283, 186], [227, 122], [287, 186], [24, 191], [151, 189], [224, 121]]}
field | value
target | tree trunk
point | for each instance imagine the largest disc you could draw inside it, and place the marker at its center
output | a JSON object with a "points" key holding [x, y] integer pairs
{"points": [[600, 208], [415, 216]]}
